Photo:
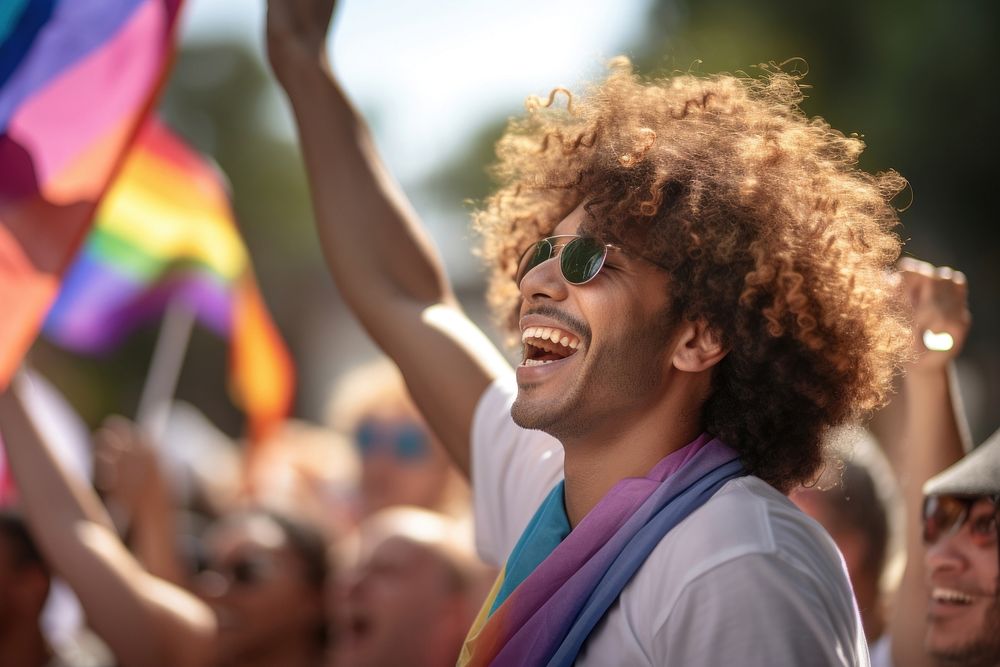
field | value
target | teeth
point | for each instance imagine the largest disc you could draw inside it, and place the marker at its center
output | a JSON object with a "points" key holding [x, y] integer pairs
{"points": [[537, 362], [948, 595], [557, 336]]}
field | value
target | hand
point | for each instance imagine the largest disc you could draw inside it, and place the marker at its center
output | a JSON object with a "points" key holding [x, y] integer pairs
{"points": [[938, 300], [125, 467], [296, 32]]}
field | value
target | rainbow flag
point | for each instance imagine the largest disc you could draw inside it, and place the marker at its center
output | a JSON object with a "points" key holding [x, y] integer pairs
{"points": [[76, 79], [164, 232]]}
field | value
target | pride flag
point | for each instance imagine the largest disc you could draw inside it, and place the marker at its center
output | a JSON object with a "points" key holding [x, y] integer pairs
{"points": [[165, 232], [76, 79]]}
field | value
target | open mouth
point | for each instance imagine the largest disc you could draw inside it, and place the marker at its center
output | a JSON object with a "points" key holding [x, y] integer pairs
{"points": [[543, 345], [951, 597]]}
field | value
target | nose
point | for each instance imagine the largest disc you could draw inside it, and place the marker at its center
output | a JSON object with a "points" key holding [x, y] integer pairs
{"points": [[543, 282], [944, 556]]}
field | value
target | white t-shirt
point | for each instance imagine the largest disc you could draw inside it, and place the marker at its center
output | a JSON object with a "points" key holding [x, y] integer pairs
{"points": [[746, 580]]}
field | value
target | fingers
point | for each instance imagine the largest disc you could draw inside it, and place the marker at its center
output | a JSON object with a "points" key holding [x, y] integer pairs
{"points": [[938, 301], [122, 456]]}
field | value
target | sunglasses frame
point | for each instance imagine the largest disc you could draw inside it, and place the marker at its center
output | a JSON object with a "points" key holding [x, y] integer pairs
{"points": [[967, 503], [556, 250]]}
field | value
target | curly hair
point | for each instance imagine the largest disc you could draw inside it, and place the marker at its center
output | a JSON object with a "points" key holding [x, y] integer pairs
{"points": [[771, 234]]}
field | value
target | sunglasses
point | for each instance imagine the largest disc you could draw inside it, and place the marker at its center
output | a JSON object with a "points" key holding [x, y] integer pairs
{"points": [[945, 515], [406, 442], [581, 258], [244, 571]]}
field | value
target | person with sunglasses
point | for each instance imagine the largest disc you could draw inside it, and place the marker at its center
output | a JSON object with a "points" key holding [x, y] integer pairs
{"points": [[695, 276], [962, 561], [401, 461]]}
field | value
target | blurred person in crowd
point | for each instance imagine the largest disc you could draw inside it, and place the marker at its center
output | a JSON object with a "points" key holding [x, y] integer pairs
{"points": [[960, 534], [413, 592], [855, 501], [252, 562], [926, 435], [402, 463], [24, 587], [265, 575], [25, 584], [696, 275], [144, 620]]}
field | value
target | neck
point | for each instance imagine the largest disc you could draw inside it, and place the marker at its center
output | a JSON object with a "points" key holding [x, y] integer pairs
{"points": [[23, 644], [626, 446]]}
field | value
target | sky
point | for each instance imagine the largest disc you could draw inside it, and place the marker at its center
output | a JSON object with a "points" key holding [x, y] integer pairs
{"points": [[427, 75]]}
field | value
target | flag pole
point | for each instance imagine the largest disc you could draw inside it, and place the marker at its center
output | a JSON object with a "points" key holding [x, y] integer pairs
{"points": [[165, 369]]}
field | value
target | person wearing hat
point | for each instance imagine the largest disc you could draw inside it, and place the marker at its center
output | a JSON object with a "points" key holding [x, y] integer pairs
{"points": [[961, 559]]}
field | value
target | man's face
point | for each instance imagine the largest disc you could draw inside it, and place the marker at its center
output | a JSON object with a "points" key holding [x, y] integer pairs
{"points": [[617, 339], [397, 609], [401, 462], [257, 587], [963, 621]]}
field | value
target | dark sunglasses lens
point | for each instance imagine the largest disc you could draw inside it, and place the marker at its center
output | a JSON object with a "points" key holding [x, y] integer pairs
{"points": [[411, 444], [941, 515], [582, 259], [532, 257], [365, 437]]}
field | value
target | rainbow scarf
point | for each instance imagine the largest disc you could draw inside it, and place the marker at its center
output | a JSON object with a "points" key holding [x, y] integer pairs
{"points": [[558, 583], [76, 79]]}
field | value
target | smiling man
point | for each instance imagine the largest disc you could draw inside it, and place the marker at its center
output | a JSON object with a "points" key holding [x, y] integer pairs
{"points": [[961, 561], [696, 273]]}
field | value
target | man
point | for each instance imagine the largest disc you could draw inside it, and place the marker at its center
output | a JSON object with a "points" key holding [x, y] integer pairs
{"points": [[413, 592], [961, 561], [696, 274], [401, 462], [259, 562]]}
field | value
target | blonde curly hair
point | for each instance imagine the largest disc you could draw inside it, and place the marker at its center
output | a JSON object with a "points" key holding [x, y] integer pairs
{"points": [[769, 230]]}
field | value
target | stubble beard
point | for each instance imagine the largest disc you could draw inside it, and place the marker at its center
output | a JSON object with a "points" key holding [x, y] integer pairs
{"points": [[981, 651], [620, 376]]}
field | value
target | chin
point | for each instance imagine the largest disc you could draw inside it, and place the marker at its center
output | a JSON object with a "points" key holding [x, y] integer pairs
{"points": [[526, 415]]}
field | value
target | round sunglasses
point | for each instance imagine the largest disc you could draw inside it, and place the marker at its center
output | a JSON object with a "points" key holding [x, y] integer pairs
{"points": [[581, 258], [945, 515]]}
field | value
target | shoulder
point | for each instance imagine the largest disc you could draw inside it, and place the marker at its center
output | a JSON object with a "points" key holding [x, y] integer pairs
{"points": [[747, 563], [748, 517]]}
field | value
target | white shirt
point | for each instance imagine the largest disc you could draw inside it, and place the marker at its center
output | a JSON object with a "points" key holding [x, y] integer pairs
{"points": [[746, 580]]}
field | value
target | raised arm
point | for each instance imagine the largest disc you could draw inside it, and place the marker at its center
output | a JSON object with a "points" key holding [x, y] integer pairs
{"points": [[143, 619], [381, 259], [932, 433]]}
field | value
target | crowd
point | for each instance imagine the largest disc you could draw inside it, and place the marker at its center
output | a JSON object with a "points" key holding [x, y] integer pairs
{"points": [[769, 466]]}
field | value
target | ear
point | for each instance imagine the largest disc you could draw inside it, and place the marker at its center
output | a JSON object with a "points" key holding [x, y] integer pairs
{"points": [[698, 348]]}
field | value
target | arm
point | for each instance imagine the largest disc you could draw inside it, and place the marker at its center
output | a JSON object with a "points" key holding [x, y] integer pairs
{"points": [[380, 258], [932, 435], [144, 620]]}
